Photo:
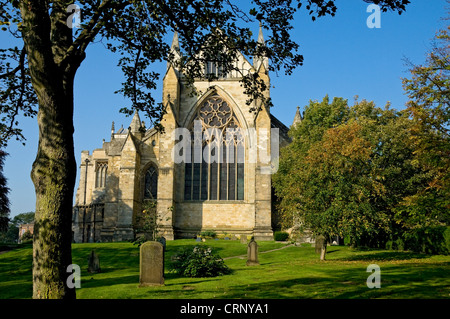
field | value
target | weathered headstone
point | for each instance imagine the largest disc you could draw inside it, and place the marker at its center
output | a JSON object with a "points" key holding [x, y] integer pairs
{"points": [[252, 253], [320, 241], [151, 268], [93, 263], [243, 239]]}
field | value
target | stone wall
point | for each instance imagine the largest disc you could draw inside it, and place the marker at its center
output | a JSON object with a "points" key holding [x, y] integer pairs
{"points": [[130, 152]]}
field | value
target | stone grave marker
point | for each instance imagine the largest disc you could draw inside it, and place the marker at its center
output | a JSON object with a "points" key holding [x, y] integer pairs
{"points": [[151, 268], [252, 253], [93, 263], [320, 240], [243, 239]]}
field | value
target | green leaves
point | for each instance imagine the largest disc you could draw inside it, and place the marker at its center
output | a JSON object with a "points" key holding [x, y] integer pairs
{"points": [[211, 30], [16, 94], [429, 107], [348, 170]]}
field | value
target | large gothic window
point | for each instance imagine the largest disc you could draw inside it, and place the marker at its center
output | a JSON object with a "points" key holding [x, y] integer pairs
{"points": [[218, 172], [151, 183]]}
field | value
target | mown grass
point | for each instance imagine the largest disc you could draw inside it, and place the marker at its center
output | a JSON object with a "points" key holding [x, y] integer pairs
{"points": [[293, 272]]}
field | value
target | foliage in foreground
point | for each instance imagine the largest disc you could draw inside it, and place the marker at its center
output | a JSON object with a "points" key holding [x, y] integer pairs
{"points": [[199, 261]]}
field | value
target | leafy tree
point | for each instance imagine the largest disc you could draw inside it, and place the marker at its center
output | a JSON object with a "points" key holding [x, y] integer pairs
{"points": [[346, 171], [27, 237], [43, 70], [4, 200], [11, 235], [429, 107], [23, 218]]}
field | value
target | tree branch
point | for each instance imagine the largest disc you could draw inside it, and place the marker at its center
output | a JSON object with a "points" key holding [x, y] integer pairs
{"points": [[93, 27], [17, 68]]}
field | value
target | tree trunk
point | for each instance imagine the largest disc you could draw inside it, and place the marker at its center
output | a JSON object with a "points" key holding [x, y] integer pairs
{"points": [[53, 175], [54, 169], [323, 250]]}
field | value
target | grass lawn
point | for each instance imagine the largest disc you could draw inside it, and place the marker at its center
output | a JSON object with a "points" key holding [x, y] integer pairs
{"points": [[293, 272]]}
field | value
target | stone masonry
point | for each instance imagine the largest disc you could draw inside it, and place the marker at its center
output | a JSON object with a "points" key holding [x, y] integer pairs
{"points": [[112, 179]]}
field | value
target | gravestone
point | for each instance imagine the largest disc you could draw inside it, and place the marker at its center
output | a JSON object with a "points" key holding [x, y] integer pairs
{"points": [[243, 239], [93, 263], [252, 253], [151, 268], [320, 241]]}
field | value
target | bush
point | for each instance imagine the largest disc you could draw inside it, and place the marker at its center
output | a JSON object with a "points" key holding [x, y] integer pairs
{"points": [[26, 238], [280, 236], [208, 234], [447, 239], [199, 261], [426, 240]]}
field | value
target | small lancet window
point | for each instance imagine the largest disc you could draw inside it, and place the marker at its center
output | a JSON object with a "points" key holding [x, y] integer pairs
{"points": [[151, 183], [100, 174]]}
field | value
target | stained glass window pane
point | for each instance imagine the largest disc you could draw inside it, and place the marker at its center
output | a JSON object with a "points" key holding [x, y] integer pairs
{"points": [[188, 181], [196, 182], [151, 183], [204, 181], [213, 181], [240, 181], [232, 180], [223, 176]]}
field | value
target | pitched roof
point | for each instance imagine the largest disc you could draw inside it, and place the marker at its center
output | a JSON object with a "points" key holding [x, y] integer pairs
{"points": [[283, 129]]}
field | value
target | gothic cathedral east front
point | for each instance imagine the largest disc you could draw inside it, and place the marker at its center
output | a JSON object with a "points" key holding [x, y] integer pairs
{"points": [[137, 166]]}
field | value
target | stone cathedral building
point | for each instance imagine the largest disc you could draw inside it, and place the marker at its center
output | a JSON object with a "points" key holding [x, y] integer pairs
{"points": [[138, 165]]}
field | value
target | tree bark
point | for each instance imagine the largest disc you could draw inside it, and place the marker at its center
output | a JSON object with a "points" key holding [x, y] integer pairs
{"points": [[54, 169], [323, 250]]}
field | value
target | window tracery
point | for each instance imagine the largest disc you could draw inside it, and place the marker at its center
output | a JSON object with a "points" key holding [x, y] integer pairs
{"points": [[220, 174]]}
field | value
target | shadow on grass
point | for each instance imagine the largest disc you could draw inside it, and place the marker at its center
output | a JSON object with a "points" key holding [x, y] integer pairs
{"points": [[415, 281], [363, 255], [96, 282]]}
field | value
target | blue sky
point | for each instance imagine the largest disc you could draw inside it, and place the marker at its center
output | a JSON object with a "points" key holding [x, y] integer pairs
{"points": [[343, 57]]}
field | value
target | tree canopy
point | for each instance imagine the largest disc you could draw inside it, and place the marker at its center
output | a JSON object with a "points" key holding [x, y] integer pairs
{"points": [[428, 89], [136, 30], [374, 175]]}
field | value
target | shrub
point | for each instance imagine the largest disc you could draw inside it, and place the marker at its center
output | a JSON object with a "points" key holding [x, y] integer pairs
{"points": [[447, 239], [280, 236], [198, 261], [208, 234], [428, 240], [27, 237]]}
